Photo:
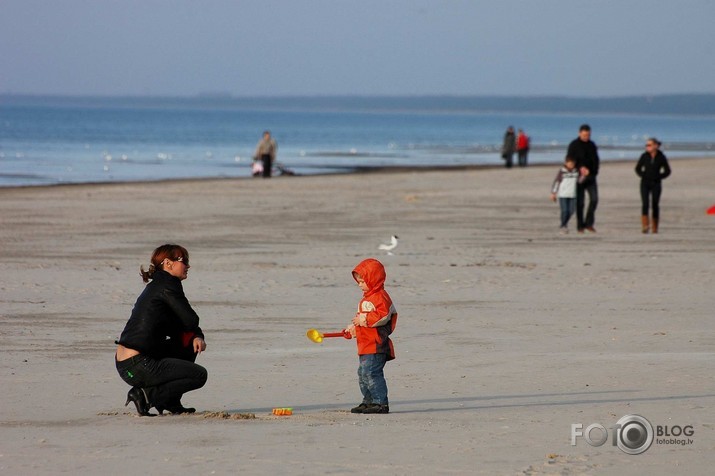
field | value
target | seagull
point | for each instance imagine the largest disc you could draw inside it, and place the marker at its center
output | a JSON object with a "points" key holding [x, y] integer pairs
{"points": [[390, 247]]}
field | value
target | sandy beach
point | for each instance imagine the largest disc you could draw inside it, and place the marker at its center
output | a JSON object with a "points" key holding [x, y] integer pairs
{"points": [[509, 333]]}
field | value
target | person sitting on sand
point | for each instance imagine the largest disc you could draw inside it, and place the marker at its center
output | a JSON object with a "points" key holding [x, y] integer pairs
{"points": [[372, 325], [158, 346]]}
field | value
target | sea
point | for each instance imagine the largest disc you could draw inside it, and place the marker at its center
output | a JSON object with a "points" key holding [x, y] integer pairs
{"points": [[49, 141]]}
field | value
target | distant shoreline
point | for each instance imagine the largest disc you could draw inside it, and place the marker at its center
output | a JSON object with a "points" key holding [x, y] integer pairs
{"points": [[694, 104], [358, 170]]}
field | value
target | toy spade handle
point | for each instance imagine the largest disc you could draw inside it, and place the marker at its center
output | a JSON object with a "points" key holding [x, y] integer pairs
{"points": [[344, 334]]}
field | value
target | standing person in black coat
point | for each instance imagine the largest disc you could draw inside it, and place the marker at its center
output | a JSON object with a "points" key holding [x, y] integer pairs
{"points": [[157, 349], [652, 168], [508, 147], [586, 154]]}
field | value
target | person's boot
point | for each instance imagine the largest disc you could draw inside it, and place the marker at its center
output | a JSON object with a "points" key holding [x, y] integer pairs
{"points": [[175, 408], [644, 223], [360, 408], [377, 408], [137, 396], [655, 225]]}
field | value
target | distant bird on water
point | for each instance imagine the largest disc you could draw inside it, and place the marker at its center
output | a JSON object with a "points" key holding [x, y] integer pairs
{"points": [[390, 247]]}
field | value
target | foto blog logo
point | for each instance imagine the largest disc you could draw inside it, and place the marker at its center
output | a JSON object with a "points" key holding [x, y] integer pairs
{"points": [[632, 434]]}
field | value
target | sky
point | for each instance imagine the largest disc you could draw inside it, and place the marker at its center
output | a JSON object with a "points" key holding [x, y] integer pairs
{"points": [[576, 48]]}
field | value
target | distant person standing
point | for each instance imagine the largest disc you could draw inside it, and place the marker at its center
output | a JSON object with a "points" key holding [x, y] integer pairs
{"points": [[266, 152], [585, 152], [508, 147], [522, 147], [652, 168]]}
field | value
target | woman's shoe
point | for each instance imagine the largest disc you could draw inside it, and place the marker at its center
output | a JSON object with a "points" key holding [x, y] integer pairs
{"points": [[138, 396], [176, 409]]}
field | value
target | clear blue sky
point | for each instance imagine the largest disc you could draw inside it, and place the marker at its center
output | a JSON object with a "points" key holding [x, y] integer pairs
{"points": [[325, 47]]}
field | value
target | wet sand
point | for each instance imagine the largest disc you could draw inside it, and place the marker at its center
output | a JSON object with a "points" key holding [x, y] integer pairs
{"points": [[509, 332]]}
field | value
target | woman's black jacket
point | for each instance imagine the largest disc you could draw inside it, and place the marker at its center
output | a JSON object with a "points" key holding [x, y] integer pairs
{"points": [[160, 318], [653, 169]]}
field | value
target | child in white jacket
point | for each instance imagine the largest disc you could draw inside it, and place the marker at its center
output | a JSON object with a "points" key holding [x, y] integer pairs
{"points": [[564, 188]]}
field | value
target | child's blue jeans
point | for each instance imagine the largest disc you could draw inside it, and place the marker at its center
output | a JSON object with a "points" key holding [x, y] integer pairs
{"points": [[372, 379], [568, 206]]}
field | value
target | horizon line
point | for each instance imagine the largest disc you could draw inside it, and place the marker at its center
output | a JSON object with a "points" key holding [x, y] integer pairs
{"points": [[227, 95]]}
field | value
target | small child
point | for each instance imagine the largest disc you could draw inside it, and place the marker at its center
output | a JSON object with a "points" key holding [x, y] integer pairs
{"points": [[564, 188], [372, 325], [257, 167]]}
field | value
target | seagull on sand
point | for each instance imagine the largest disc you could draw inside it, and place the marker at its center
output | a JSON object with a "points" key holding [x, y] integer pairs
{"points": [[390, 247]]}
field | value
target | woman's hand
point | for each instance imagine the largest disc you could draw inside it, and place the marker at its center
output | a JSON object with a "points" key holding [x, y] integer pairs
{"points": [[199, 345]]}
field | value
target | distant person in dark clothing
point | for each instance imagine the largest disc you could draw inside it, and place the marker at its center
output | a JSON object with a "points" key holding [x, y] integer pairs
{"points": [[522, 147], [652, 168], [508, 147], [266, 152], [585, 152]]}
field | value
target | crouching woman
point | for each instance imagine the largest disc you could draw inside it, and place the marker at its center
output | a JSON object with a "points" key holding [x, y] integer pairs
{"points": [[160, 342]]}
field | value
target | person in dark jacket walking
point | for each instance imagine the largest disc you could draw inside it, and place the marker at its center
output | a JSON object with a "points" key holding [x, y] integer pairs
{"points": [[158, 346], [585, 152], [652, 168]]}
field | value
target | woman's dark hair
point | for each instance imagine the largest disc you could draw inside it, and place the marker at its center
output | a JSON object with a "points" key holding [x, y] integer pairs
{"points": [[168, 251], [655, 141]]}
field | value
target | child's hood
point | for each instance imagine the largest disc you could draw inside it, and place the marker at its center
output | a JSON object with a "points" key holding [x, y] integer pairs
{"points": [[373, 272]]}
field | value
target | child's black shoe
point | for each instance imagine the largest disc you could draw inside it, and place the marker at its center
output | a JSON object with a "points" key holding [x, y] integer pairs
{"points": [[360, 408], [377, 408]]}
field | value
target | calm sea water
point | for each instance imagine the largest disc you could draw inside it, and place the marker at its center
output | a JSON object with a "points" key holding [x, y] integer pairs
{"points": [[42, 145]]}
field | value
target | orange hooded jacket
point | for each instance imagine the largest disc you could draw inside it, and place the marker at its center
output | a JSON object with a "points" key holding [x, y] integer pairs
{"points": [[378, 316]]}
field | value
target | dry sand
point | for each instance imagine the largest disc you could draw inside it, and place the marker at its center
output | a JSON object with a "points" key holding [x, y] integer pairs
{"points": [[508, 332]]}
